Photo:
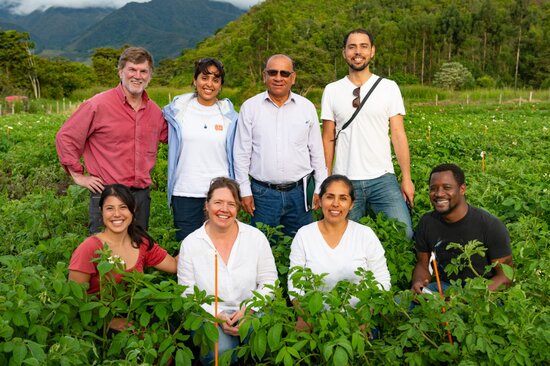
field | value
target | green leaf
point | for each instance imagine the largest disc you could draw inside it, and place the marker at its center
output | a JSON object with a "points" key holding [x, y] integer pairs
{"points": [[342, 323], [282, 353], [180, 358], [274, 336], [104, 268], [288, 360], [166, 356], [19, 353], [103, 311], [90, 306], [36, 350], [260, 343], [144, 319], [161, 312], [315, 303], [508, 271], [165, 344], [20, 319], [327, 351], [340, 356], [6, 332], [196, 323], [211, 331]]}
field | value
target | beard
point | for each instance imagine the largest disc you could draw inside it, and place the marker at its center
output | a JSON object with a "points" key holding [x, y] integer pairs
{"points": [[359, 67]]}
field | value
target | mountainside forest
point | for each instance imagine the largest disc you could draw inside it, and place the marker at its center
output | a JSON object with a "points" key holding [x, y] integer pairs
{"points": [[502, 43], [507, 41], [165, 27]]}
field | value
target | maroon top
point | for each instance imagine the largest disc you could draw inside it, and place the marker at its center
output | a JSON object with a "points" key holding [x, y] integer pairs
{"points": [[82, 256]]}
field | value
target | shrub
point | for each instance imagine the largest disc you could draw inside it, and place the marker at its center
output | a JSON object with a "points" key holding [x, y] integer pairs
{"points": [[453, 75], [486, 81]]}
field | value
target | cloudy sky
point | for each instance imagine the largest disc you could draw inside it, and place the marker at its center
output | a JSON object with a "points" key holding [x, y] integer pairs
{"points": [[27, 6]]}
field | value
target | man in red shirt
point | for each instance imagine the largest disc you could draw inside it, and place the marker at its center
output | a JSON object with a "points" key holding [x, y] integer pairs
{"points": [[117, 132]]}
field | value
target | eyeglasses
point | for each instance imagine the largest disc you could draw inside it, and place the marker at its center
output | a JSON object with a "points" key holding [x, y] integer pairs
{"points": [[356, 101], [283, 73]]}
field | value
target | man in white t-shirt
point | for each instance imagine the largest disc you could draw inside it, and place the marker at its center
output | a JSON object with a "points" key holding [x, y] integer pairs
{"points": [[362, 151]]}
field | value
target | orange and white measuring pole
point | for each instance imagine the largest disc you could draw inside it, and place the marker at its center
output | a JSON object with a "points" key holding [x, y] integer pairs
{"points": [[216, 304], [434, 263]]}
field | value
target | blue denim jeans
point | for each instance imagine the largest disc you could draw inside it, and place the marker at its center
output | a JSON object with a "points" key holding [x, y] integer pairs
{"points": [[276, 208], [225, 342], [188, 215], [381, 194]]}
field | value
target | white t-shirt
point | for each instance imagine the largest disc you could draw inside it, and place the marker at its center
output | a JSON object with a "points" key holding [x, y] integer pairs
{"points": [[363, 149], [250, 267], [203, 154], [359, 247]]}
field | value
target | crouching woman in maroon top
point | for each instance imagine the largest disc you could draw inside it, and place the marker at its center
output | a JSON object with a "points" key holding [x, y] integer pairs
{"points": [[126, 239]]}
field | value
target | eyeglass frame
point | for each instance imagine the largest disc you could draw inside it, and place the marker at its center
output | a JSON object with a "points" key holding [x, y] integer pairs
{"points": [[273, 73], [357, 100]]}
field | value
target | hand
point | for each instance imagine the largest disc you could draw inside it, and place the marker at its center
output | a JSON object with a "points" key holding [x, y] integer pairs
{"points": [[119, 324], [302, 326], [316, 201], [407, 188], [231, 321], [91, 183], [248, 204], [418, 285]]}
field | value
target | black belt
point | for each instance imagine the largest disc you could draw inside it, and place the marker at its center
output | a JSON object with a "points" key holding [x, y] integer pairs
{"points": [[283, 187]]}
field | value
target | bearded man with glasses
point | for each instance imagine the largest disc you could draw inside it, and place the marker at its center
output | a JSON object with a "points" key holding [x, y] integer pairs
{"points": [[277, 147], [361, 150]]}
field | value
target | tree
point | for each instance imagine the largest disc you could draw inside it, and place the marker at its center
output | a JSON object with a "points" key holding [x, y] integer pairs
{"points": [[104, 63], [453, 75], [17, 63]]}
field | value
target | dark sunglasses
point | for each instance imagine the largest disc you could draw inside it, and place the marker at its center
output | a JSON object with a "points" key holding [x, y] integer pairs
{"points": [[356, 101], [283, 73]]}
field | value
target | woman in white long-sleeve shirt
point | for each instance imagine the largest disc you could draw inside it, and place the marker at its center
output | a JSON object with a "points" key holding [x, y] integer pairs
{"points": [[336, 245], [245, 261]]}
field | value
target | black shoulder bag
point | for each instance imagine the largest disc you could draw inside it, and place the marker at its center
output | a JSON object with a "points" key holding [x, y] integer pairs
{"points": [[359, 108]]}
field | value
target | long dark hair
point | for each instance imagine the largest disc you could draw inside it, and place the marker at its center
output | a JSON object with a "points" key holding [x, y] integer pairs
{"points": [[137, 233]]}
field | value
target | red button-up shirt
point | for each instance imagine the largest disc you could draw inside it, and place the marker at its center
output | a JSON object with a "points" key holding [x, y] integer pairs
{"points": [[119, 145]]}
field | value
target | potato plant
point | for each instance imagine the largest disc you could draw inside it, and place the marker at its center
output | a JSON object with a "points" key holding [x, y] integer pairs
{"points": [[47, 320]]}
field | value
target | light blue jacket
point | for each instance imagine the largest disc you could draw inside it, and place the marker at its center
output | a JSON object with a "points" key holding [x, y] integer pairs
{"points": [[177, 107]]}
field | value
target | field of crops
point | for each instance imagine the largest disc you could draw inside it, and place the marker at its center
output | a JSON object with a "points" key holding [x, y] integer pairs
{"points": [[45, 320]]}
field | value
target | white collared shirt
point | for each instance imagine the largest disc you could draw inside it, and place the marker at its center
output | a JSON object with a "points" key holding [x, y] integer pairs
{"points": [[250, 267], [278, 144]]}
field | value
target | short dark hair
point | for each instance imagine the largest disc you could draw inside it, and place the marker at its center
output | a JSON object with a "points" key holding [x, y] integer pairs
{"points": [[202, 65], [358, 30], [224, 182], [135, 230], [136, 55], [337, 178], [453, 168]]}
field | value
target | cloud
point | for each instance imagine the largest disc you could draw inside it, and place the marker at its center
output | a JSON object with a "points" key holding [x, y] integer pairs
{"points": [[28, 6]]}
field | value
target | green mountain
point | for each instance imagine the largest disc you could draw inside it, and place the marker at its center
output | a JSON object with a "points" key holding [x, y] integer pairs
{"points": [[413, 38], [165, 27]]}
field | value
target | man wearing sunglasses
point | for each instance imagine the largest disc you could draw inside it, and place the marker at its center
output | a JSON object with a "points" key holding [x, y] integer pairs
{"points": [[277, 146], [362, 150]]}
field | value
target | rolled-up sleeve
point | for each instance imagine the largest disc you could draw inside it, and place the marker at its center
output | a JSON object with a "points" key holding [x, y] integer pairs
{"points": [[71, 138]]}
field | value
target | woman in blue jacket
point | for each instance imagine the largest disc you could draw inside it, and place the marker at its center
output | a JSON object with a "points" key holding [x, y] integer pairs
{"points": [[201, 130]]}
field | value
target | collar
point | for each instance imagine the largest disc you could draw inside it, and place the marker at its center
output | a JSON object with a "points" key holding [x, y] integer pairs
{"points": [[291, 98], [120, 92]]}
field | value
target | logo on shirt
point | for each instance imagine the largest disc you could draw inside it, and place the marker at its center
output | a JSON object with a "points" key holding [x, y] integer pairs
{"points": [[218, 127]]}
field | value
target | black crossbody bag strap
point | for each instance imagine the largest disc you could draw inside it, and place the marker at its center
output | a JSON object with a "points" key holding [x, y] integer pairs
{"points": [[359, 108]]}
